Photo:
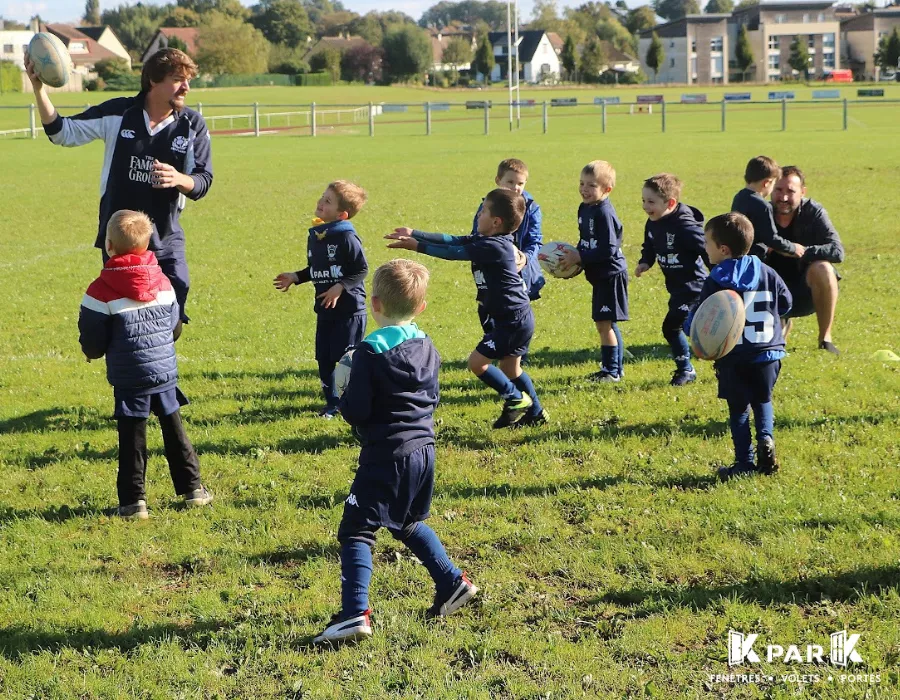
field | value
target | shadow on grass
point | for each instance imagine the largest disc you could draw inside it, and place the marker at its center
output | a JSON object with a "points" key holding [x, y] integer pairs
{"points": [[53, 514], [848, 586], [214, 375], [17, 641], [292, 556], [56, 419]]}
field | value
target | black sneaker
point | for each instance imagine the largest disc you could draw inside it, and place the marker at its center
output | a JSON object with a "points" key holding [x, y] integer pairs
{"points": [[462, 592], [829, 346], [135, 511], [682, 377], [737, 470], [766, 461], [603, 377], [513, 411], [346, 629], [329, 412], [539, 418]]}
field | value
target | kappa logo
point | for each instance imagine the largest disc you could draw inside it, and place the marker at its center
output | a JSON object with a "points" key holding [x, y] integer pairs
{"points": [[127, 133], [351, 500], [842, 651], [490, 344], [605, 309], [684, 307], [332, 251], [180, 144], [670, 240]]}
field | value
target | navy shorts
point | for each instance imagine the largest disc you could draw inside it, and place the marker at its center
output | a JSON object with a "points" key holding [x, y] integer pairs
{"points": [[746, 384], [507, 337], [164, 403], [794, 276], [610, 299], [390, 494], [334, 336]]}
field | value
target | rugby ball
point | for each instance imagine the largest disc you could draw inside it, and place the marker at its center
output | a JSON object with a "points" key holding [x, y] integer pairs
{"points": [[342, 373], [718, 325], [51, 59], [549, 257]]}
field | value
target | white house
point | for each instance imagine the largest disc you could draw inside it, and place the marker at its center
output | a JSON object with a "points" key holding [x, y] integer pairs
{"points": [[13, 44], [538, 60]]}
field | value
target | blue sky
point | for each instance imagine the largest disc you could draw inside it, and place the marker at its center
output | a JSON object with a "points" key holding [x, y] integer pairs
{"points": [[71, 10]]}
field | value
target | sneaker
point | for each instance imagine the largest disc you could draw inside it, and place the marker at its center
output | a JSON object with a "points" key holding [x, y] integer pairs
{"points": [[462, 592], [198, 497], [539, 418], [513, 411], [603, 377], [346, 629], [329, 412], [766, 461], [829, 346], [682, 377], [136, 511], [736, 470]]}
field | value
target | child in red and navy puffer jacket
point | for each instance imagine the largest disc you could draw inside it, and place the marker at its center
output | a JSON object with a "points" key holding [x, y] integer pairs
{"points": [[131, 315]]}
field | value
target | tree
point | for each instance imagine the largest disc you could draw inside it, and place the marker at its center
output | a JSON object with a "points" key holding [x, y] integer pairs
{"points": [[676, 9], [363, 62], [135, 25], [714, 7], [640, 18], [181, 17], [484, 58], [746, 3], [92, 12], [799, 58], [743, 52], [229, 45], [888, 55], [492, 12], [329, 61], [545, 15], [335, 23], [283, 22], [656, 56], [458, 52], [229, 8], [176, 43], [111, 68], [593, 60], [568, 58], [287, 60], [12, 25], [407, 52]]}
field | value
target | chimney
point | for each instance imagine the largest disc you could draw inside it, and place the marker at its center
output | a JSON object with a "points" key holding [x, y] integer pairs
{"points": [[35, 25]]}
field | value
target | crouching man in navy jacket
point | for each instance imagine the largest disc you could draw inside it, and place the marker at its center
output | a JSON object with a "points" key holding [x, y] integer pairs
{"points": [[130, 314]]}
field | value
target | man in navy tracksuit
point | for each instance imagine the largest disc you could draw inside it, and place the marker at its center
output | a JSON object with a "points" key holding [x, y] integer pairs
{"points": [[130, 315], [673, 235], [748, 373], [501, 295], [389, 400], [157, 153], [337, 268]]}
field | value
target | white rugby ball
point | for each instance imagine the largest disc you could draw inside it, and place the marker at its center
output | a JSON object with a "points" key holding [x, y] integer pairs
{"points": [[51, 59], [550, 255], [718, 325], [342, 372]]}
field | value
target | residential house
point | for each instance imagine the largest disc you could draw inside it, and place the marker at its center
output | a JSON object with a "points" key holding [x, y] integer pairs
{"points": [[861, 36], [107, 38], [440, 38], [84, 50], [13, 44], [696, 49], [342, 43], [537, 59], [556, 41], [186, 35]]}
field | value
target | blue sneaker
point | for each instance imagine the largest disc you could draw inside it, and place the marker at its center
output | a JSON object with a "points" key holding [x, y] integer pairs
{"points": [[682, 377], [737, 470]]}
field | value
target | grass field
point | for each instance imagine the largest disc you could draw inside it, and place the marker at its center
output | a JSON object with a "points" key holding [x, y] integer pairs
{"points": [[611, 562]]}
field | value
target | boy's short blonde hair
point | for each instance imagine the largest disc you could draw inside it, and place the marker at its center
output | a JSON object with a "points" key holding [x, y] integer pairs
{"points": [[666, 185], [400, 285], [761, 168], [129, 231], [514, 164], [602, 171], [351, 197]]}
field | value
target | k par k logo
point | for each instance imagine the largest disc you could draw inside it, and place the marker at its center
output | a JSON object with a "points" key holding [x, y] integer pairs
{"points": [[843, 650]]}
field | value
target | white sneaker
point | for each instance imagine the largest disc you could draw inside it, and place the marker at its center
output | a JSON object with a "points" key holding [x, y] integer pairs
{"points": [[346, 629], [198, 497], [136, 511], [461, 594]]}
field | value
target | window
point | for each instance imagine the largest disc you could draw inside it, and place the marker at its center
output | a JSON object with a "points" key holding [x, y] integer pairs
{"points": [[828, 60], [774, 43], [671, 63], [77, 47], [694, 67], [7, 48], [780, 19], [694, 45], [715, 65], [805, 18], [821, 17], [811, 42], [774, 62], [715, 44], [671, 44]]}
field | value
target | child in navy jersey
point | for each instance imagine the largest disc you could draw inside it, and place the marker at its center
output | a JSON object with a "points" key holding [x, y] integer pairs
{"points": [[747, 374], [502, 296], [673, 235], [390, 400], [336, 265], [599, 252], [761, 174], [131, 315]]}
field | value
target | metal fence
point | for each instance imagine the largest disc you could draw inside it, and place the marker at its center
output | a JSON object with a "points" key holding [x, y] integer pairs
{"points": [[601, 115]]}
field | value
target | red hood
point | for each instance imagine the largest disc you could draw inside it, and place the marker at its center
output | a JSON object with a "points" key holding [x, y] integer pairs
{"points": [[135, 276]]}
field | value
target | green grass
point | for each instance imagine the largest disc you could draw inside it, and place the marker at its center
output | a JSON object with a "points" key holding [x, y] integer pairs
{"points": [[610, 561]]}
